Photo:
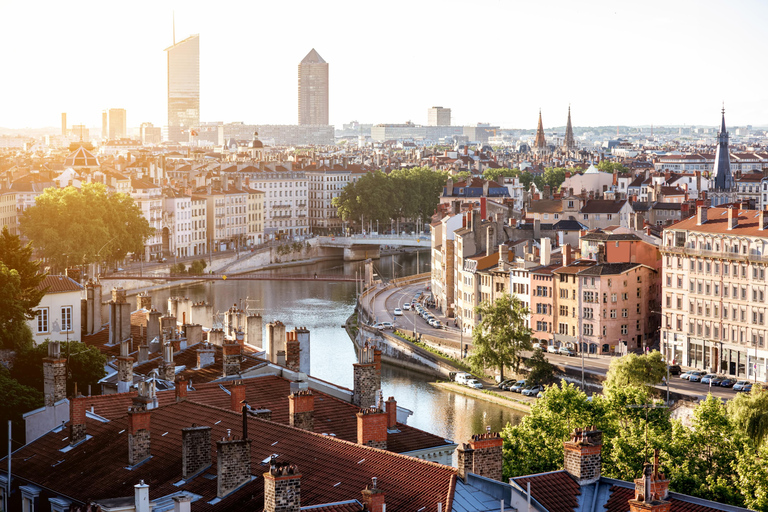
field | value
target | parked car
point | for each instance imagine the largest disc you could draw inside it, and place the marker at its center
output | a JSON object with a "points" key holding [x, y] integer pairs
{"points": [[717, 380], [525, 388], [539, 346], [533, 390], [696, 376], [675, 369], [739, 386], [747, 387], [540, 394], [383, 326], [407, 306], [727, 382], [398, 312], [503, 384], [463, 377], [518, 386], [706, 379], [686, 375], [437, 324], [474, 383], [552, 349], [565, 351]]}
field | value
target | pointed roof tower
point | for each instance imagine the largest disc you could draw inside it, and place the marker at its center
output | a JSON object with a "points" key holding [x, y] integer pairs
{"points": [[723, 179], [569, 144], [313, 58], [540, 143]]}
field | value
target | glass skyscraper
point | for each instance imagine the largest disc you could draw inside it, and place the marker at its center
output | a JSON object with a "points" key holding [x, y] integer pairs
{"points": [[183, 88]]}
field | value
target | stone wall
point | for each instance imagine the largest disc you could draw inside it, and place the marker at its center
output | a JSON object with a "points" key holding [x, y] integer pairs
{"points": [[234, 464], [196, 450], [282, 493]]}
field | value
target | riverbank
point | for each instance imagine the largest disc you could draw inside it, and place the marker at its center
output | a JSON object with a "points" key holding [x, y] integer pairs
{"points": [[512, 403]]}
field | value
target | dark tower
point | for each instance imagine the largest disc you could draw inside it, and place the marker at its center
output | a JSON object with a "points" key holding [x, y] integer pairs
{"points": [[569, 143], [540, 144], [723, 185]]}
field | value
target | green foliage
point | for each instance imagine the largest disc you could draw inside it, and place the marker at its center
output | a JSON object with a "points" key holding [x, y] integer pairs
{"points": [[553, 176], [18, 257], [541, 370], [750, 412], [410, 193], [611, 167], [11, 309], [526, 178], [501, 335], [633, 370], [494, 174], [17, 400], [178, 268], [85, 365], [73, 227], [197, 267], [463, 175]]}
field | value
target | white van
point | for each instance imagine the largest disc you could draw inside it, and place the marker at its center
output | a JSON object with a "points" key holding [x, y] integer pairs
{"points": [[463, 378]]}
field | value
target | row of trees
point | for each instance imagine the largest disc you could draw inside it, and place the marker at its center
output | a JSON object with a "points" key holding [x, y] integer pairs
{"points": [[71, 227], [404, 193], [552, 177]]}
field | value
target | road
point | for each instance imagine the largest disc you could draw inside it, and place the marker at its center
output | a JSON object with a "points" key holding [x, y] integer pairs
{"points": [[387, 301]]}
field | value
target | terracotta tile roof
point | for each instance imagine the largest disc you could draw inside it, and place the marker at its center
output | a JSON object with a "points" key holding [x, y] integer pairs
{"points": [[557, 491], [608, 269], [59, 284], [188, 358], [602, 206], [717, 222], [344, 506], [546, 206], [620, 496], [332, 470]]}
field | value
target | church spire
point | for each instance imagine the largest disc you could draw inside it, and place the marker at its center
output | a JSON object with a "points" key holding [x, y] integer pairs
{"points": [[569, 144], [723, 179], [540, 143]]}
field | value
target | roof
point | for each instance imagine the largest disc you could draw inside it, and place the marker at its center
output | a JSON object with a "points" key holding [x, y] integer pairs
{"points": [[607, 269], [557, 490], [717, 222], [59, 284], [575, 267], [332, 470], [313, 58], [546, 206], [81, 157], [602, 236], [569, 225], [603, 206]]}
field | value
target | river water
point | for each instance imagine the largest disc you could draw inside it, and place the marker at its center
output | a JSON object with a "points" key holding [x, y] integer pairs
{"points": [[323, 307]]}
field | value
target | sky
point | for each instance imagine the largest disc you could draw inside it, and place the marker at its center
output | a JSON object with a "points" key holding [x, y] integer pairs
{"points": [[495, 61]]}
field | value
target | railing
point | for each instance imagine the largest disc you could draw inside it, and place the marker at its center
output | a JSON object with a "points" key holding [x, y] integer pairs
{"points": [[702, 253]]}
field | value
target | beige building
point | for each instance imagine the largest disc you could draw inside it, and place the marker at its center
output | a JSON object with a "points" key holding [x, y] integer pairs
{"points": [[714, 293], [8, 210], [255, 216]]}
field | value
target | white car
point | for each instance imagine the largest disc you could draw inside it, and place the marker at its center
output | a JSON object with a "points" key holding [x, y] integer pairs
{"points": [[383, 326], [474, 383], [407, 306], [398, 312], [552, 349]]}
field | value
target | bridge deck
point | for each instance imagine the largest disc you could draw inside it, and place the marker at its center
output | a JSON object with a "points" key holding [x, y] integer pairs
{"points": [[235, 277]]}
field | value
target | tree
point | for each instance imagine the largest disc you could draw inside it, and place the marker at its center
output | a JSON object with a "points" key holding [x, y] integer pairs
{"points": [[197, 267], [494, 174], [463, 175], [85, 365], [750, 413], [72, 226], [526, 178], [12, 311], [612, 167], [501, 335], [17, 400], [541, 370], [18, 257], [633, 370], [554, 177]]}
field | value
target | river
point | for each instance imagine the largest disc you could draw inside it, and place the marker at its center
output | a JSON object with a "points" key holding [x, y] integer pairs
{"points": [[323, 307]]}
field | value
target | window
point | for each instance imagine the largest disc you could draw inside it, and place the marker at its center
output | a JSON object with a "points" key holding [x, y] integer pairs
{"points": [[613, 313], [66, 318], [613, 297], [624, 329], [587, 329], [588, 313], [42, 320]]}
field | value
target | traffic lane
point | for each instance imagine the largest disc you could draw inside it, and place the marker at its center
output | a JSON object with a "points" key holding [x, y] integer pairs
{"points": [[411, 320]]}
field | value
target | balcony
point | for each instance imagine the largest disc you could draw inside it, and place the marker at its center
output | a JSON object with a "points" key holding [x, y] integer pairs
{"points": [[281, 206], [737, 256]]}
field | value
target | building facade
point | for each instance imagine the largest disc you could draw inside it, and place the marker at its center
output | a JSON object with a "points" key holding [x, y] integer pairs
{"points": [[313, 90], [183, 88]]}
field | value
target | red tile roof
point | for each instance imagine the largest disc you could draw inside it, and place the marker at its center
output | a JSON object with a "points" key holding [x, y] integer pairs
{"points": [[620, 496], [59, 284], [332, 470], [557, 491]]}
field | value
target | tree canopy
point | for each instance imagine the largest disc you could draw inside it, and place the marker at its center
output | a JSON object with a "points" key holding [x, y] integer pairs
{"points": [[633, 370], [71, 226], [18, 257], [501, 335], [493, 174], [553, 177], [611, 167]]}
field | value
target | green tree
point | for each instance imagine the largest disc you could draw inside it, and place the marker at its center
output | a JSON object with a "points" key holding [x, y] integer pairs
{"points": [[197, 267], [526, 178], [501, 335], [460, 176], [18, 257], [12, 310], [85, 365], [17, 400], [72, 226], [750, 413], [612, 167], [554, 177], [494, 174], [541, 371], [633, 370]]}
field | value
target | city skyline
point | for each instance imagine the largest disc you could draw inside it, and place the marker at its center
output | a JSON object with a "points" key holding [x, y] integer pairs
{"points": [[626, 64]]}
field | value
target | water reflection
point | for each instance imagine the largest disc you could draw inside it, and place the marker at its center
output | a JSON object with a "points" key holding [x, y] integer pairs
{"points": [[323, 307]]}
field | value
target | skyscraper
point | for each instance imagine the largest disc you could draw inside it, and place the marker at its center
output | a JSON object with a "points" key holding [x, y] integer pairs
{"points": [[117, 124], [439, 116], [183, 88], [313, 90]]}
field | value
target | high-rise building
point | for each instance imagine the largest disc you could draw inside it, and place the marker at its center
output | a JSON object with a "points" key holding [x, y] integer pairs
{"points": [[104, 124], [118, 128], [439, 116], [313, 90], [183, 88], [64, 124]]}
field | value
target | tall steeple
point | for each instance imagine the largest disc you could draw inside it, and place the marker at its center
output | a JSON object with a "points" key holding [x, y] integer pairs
{"points": [[569, 144], [723, 179], [540, 144]]}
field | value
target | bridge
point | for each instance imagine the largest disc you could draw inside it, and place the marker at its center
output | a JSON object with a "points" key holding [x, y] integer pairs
{"points": [[400, 240], [235, 277]]}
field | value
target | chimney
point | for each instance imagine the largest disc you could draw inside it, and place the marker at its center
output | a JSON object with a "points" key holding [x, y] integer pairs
{"points": [[143, 353], [237, 396], [216, 337], [206, 355], [141, 497], [138, 433], [282, 488], [647, 497], [373, 497], [167, 369], [119, 317], [372, 428], [545, 256], [93, 307], [483, 203], [391, 408], [193, 333], [701, 215], [733, 217], [465, 456], [153, 325], [233, 457], [367, 380], [143, 301], [54, 375], [182, 503], [275, 340], [292, 351], [485, 451], [181, 389], [763, 223], [253, 327], [231, 359], [658, 483], [567, 257], [301, 410], [195, 450], [76, 420], [582, 455]]}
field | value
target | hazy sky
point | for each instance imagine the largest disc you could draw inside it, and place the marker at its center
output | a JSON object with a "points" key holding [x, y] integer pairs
{"points": [[615, 62]]}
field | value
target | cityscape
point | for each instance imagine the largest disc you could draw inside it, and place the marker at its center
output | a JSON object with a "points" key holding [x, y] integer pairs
{"points": [[389, 280]]}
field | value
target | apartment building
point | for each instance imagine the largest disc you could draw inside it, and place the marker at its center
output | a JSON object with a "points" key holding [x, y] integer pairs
{"points": [[149, 198], [541, 293], [714, 292], [8, 210], [324, 184], [199, 221], [567, 303], [255, 216], [178, 228], [227, 218]]}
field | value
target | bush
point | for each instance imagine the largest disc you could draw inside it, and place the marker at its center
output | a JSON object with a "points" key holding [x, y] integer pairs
{"points": [[178, 268], [197, 267]]}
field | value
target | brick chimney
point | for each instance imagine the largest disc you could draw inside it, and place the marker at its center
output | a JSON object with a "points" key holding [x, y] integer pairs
{"points": [[144, 301], [582, 455], [195, 450], [206, 355], [367, 377], [659, 484], [124, 369], [372, 428], [236, 396], [733, 217], [54, 375], [138, 433], [282, 488], [567, 257], [77, 409], [231, 359], [391, 408], [646, 498], [181, 389], [301, 410], [481, 456], [373, 497], [233, 458]]}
